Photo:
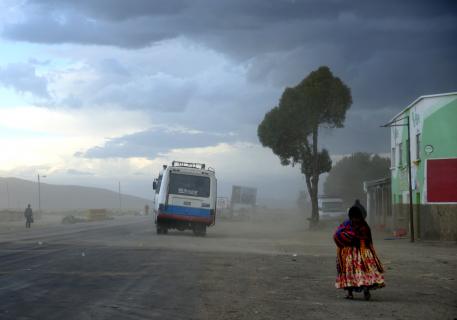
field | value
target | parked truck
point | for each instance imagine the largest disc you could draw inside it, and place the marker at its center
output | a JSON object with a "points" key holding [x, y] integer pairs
{"points": [[185, 198], [243, 201]]}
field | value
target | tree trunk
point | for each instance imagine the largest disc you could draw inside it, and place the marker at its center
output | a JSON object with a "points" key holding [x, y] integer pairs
{"points": [[315, 181], [310, 192], [314, 210]]}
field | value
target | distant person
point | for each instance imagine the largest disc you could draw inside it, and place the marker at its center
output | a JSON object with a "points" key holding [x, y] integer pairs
{"points": [[28, 216], [361, 207], [359, 269], [146, 210]]}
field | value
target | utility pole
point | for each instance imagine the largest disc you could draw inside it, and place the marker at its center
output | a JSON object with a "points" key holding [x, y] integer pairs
{"points": [[39, 193], [394, 123], [8, 194], [120, 198], [411, 213]]}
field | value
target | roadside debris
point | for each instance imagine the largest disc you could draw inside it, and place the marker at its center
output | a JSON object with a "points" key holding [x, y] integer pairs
{"points": [[400, 232]]}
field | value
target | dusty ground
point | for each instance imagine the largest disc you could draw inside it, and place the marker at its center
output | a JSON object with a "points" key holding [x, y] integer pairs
{"points": [[121, 269]]}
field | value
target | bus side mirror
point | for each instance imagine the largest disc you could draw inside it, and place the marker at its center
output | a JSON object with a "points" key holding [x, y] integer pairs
{"points": [[154, 185]]}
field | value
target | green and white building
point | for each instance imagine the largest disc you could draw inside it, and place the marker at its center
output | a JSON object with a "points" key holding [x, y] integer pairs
{"points": [[433, 148]]}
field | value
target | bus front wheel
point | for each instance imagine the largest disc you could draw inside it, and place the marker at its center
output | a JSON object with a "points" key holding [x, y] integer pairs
{"points": [[199, 229]]}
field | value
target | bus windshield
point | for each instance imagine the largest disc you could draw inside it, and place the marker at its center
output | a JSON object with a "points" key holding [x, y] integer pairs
{"points": [[189, 185]]}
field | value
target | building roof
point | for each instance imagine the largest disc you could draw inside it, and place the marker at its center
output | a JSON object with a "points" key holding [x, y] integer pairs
{"points": [[376, 183], [419, 99]]}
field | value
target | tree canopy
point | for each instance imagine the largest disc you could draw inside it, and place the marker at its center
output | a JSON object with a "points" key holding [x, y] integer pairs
{"points": [[346, 178], [291, 128]]}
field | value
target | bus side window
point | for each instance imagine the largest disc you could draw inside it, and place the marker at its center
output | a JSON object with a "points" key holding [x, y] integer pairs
{"points": [[159, 182]]}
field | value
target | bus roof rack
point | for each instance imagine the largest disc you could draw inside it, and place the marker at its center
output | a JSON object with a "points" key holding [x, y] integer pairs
{"points": [[188, 164]]}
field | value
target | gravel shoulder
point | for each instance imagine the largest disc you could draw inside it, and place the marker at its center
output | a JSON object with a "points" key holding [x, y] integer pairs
{"points": [[296, 280]]}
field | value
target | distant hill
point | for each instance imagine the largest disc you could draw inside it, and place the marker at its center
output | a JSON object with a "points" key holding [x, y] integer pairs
{"points": [[63, 197]]}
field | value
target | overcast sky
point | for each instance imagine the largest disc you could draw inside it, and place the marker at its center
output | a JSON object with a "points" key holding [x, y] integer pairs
{"points": [[95, 92]]}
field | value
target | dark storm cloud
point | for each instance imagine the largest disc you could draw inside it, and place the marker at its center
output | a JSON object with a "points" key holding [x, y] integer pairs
{"points": [[246, 27], [388, 52], [73, 27], [362, 132], [114, 10], [151, 143], [295, 36]]}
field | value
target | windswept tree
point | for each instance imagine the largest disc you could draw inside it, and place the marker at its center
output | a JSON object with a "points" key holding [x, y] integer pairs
{"points": [[291, 129]]}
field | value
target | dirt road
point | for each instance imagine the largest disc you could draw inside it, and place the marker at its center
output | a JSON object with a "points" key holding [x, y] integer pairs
{"points": [[121, 269]]}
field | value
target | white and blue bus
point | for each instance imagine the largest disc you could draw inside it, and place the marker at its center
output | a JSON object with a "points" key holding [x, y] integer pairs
{"points": [[185, 198]]}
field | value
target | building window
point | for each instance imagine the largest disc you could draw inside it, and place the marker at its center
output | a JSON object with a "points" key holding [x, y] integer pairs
{"points": [[392, 158], [418, 146], [400, 154]]}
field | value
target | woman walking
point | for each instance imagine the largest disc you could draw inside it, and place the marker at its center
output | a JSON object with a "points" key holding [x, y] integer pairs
{"points": [[359, 268]]}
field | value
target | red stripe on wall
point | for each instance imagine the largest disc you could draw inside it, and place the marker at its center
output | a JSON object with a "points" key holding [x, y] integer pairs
{"points": [[442, 180]]}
